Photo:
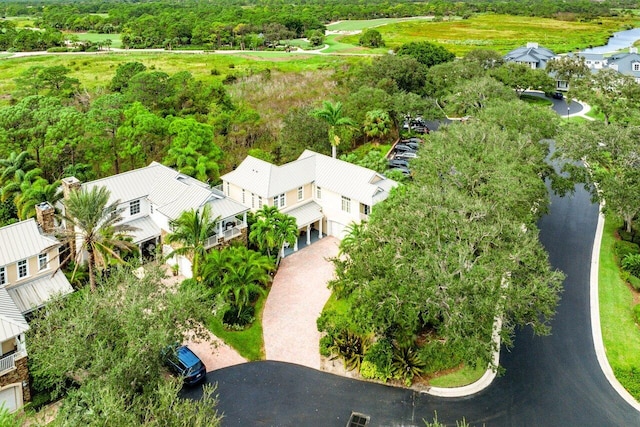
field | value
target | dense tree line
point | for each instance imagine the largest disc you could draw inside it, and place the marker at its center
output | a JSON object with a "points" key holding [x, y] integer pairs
{"points": [[255, 23]]}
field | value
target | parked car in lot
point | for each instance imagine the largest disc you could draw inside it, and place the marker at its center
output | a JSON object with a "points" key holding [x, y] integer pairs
{"points": [[398, 163], [406, 147], [182, 361], [406, 155], [557, 95], [413, 139]]}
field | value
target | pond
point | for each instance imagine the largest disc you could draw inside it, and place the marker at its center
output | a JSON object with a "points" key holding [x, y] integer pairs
{"points": [[620, 40]]}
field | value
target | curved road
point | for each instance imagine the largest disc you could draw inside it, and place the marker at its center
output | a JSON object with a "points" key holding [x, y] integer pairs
{"points": [[549, 381]]}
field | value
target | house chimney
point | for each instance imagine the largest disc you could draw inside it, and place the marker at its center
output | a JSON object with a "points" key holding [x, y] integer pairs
{"points": [[69, 184], [633, 50], [532, 45], [45, 217]]}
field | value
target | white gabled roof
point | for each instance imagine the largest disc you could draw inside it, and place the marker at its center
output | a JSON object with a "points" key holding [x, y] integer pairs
{"points": [[353, 181], [169, 190], [268, 180], [34, 294], [12, 323], [23, 240]]}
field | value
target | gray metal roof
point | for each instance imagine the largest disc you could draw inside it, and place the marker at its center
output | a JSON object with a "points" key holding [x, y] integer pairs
{"points": [[144, 229], [306, 214], [624, 62], [23, 240], [12, 323], [267, 180], [347, 179], [34, 294], [538, 55], [226, 208]]}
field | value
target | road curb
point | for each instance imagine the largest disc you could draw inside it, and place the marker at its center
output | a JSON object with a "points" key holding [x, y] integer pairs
{"points": [[596, 328]]}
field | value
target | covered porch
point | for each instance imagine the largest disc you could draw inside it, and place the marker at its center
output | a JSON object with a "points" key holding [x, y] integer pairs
{"points": [[309, 220]]}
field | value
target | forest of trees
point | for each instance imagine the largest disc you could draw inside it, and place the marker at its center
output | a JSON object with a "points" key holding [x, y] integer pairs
{"points": [[252, 23]]}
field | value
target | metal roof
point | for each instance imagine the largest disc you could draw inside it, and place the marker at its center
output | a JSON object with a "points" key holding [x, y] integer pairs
{"points": [[23, 240], [12, 323], [535, 54], [624, 63], [267, 180], [226, 208], [347, 179], [306, 214], [34, 294], [144, 229]]}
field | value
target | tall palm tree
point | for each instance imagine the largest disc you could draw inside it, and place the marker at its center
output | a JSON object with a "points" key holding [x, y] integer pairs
{"points": [[333, 115], [93, 223], [286, 230], [191, 230], [272, 229]]}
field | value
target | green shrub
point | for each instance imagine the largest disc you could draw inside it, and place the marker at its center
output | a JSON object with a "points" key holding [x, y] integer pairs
{"points": [[438, 356], [634, 281], [350, 347], [325, 345], [636, 313], [368, 370], [631, 263], [58, 49], [378, 360], [406, 363], [623, 248]]}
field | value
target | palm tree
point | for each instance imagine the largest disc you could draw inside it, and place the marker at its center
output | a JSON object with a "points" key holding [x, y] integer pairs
{"points": [[191, 230], [32, 194], [93, 222], [333, 115], [238, 273], [355, 235], [14, 170], [272, 229], [286, 230], [377, 123]]}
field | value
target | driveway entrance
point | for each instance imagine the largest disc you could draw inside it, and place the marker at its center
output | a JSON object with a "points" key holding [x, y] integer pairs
{"points": [[298, 294]]}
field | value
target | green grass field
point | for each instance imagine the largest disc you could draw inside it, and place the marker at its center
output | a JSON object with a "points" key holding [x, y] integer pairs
{"points": [[21, 21], [361, 24], [500, 32], [620, 333], [93, 37]]}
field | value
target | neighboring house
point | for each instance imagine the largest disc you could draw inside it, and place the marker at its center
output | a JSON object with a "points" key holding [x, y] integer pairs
{"points": [[323, 194], [627, 63], [154, 195], [532, 55], [29, 277]]}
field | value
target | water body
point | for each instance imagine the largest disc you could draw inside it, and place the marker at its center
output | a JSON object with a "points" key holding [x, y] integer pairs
{"points": [[620, 40]]}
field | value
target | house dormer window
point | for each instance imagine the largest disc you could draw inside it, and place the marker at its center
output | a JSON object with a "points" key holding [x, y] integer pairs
{"points": [[636, 66], [134, 207], [300, 193], [23, 270], [43, 261], [279, 201], [3, 276]]}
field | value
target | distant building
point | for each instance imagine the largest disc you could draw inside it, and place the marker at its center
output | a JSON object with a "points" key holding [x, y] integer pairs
{"points": [[532, 55], [627, 63]]}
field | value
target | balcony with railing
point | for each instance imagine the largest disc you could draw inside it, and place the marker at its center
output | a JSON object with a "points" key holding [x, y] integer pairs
{"points": [[8, 362], [224, 236]]}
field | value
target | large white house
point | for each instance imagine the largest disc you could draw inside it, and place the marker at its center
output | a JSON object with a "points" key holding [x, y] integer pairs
{"points": [[154, 195], [323, 194]]}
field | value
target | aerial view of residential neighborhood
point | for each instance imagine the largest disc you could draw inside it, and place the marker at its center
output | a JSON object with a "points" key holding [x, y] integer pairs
{"points": [[320, 213]]}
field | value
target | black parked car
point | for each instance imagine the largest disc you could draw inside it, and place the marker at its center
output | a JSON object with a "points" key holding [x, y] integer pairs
{"points": [[409, 146], [398, 163], [557, 95], [182, 361]]}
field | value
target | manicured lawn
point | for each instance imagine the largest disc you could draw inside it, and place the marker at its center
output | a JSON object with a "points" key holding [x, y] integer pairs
{"points": [[620, 333], [248, 343], [463, 376], [361, 24], [596, 114], [501, 33]]}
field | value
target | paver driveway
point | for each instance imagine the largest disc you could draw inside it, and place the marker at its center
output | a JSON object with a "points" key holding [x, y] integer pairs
{"points": [[298, 293]]}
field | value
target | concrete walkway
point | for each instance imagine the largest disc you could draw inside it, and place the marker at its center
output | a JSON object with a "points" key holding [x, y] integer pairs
{"points": [[298, 294]]}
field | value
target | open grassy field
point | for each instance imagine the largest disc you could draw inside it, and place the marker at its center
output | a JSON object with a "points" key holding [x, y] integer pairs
{"points": [[620, 333], [361, 24], [500, 32], [21, 21], [97, 70], [93, 37]]}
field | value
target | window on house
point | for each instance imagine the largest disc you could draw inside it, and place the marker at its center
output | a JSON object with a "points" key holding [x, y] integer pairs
{"points": [[134, 207], [43, 261], [3, 276], [300, 193], [23, 271], [279, 201], [253, 200], [228, 188], [365, 209], [243, 202], [346, 204], [259, 202], [151, 208], [636, 66], [318, 193]]}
